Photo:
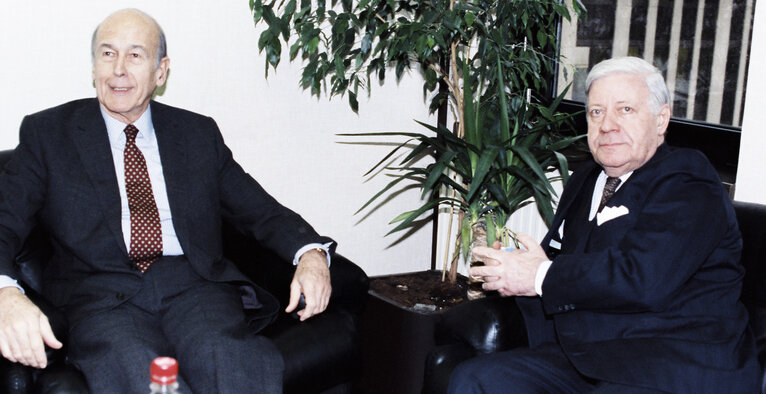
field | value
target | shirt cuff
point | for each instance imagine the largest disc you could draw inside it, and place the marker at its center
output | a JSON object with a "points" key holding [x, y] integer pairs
{"points": [[7, 281], [301, 251], [542, 270]]}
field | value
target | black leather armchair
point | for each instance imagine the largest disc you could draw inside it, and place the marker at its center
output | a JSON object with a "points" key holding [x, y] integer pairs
{"points": [[495, 324], [321, 355]]}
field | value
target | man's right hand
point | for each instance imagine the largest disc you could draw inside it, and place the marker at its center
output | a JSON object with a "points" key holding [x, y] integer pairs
{"points": [[23, 329]]}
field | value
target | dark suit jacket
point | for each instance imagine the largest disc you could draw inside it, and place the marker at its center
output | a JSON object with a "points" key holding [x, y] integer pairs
{"points": [[650, 298], [62, 176]]}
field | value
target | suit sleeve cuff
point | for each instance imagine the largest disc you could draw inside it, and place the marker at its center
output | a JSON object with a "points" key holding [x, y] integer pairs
{"points": [[542, 270], [301, 251], [7, 281]]}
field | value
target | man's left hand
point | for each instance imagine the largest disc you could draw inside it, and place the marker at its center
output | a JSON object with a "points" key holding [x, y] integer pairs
{"points": [[312, 279], [510, 273]]}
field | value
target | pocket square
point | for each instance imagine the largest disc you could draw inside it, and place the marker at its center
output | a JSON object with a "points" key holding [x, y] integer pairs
{"points": [[609, 213]]}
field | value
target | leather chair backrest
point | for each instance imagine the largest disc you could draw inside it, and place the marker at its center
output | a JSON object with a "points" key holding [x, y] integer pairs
{"points": [[752, 224]]}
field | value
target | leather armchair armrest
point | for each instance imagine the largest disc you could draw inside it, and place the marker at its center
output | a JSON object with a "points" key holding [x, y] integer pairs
{"points": [[486, 325], [477, 327], [349, 282], [440, 363], [320, 352]]}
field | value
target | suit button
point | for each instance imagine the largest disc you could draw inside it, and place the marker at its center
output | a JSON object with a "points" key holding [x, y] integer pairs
{"points": [[120, 296]]}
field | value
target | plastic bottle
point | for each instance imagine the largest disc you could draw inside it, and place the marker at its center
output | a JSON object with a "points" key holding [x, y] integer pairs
{"points": [[164, 372]]}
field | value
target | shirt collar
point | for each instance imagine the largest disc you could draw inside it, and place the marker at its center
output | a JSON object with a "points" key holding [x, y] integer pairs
{"points": [[115, 128], [601, 181]]}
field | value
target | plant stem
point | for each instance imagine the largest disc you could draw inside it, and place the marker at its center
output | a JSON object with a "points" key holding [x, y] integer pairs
{"points": [[449, 233]]}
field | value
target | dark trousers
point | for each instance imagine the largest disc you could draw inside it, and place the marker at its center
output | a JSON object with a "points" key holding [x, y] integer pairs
{"points": [[544, 369], [178, 314]]}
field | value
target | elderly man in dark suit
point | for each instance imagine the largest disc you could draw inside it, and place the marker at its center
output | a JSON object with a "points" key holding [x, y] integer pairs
{"points": [[636, 287], [133, 194]]}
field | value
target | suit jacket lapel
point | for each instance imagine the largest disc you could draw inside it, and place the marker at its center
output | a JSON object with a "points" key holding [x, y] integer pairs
{"points": [[171, 141], [92, 143], [565, 206]]}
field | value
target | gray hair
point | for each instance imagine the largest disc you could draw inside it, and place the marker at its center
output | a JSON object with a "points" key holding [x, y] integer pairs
{"points": [[162, 46], [658, 91]]}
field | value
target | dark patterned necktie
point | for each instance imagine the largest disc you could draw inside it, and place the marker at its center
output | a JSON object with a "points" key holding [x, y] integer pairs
{"points": [[609, 189], [145, 232]]}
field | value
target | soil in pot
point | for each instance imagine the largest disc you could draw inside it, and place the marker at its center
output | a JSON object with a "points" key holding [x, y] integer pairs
{"points": [[421, 291]]}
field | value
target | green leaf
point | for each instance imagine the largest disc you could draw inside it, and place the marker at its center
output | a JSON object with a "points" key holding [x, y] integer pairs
{"points": [[563, 167], [290, 9], [482, 168], [431, 79], [505, 133], [491, 230], [352, 101], [257, 8], [563, 143], [542, 38], [409, 217], [436, 171], [472, 133], [544, 207], [294, 50], [313, 45], [469, 18], [531, 162]]}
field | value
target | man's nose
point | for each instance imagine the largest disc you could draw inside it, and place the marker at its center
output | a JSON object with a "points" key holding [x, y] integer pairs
{"points": [[609, 123], [119, 66]]}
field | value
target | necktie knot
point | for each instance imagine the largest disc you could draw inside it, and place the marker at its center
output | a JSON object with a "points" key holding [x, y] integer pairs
{"points": [[131, 132], [609, 188]]}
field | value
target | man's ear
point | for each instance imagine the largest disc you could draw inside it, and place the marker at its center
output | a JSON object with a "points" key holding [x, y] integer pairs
{"points": [[161, 73], [663, 119]]}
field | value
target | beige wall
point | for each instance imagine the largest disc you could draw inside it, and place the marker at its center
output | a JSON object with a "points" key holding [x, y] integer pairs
{"points": [[282, 136]]}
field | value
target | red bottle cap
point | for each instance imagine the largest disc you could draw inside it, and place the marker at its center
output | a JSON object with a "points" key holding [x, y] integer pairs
{"points": [[164, 370]]}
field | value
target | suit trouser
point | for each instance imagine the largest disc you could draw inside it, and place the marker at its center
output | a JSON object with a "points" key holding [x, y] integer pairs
{"points": [[176, 313], [544, 369]]}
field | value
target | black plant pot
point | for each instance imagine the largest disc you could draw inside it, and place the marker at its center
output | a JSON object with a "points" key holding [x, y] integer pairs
{"points": [[396, 339]]}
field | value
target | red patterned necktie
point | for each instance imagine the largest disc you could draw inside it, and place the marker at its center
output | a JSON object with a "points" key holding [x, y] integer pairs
{"points": [[609, 188], [145, 232]]}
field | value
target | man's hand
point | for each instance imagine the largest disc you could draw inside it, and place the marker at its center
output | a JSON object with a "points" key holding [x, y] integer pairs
{"points": [[312, 279], [23, 329], [510, 273]]}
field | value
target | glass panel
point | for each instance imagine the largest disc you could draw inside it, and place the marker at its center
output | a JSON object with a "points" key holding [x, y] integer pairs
{"points": [[701, 46]]}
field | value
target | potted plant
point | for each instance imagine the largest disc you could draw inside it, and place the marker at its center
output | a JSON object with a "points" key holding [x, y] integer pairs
{"points": [[488, 62], [493, 60]]}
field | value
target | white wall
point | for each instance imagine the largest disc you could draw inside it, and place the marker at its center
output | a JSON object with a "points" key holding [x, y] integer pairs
{"points": [[751, 172], [282, 136]]}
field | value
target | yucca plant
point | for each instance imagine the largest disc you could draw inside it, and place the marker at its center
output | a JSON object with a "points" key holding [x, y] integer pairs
{"points": [[491, 57], [503, 162]]}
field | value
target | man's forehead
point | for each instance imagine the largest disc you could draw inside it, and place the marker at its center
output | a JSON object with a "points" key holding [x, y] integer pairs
{"points": [[134, 26], [619, 87]]}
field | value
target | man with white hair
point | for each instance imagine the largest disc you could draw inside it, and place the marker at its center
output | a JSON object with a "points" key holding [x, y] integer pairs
{"points": [[636, 286]]}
